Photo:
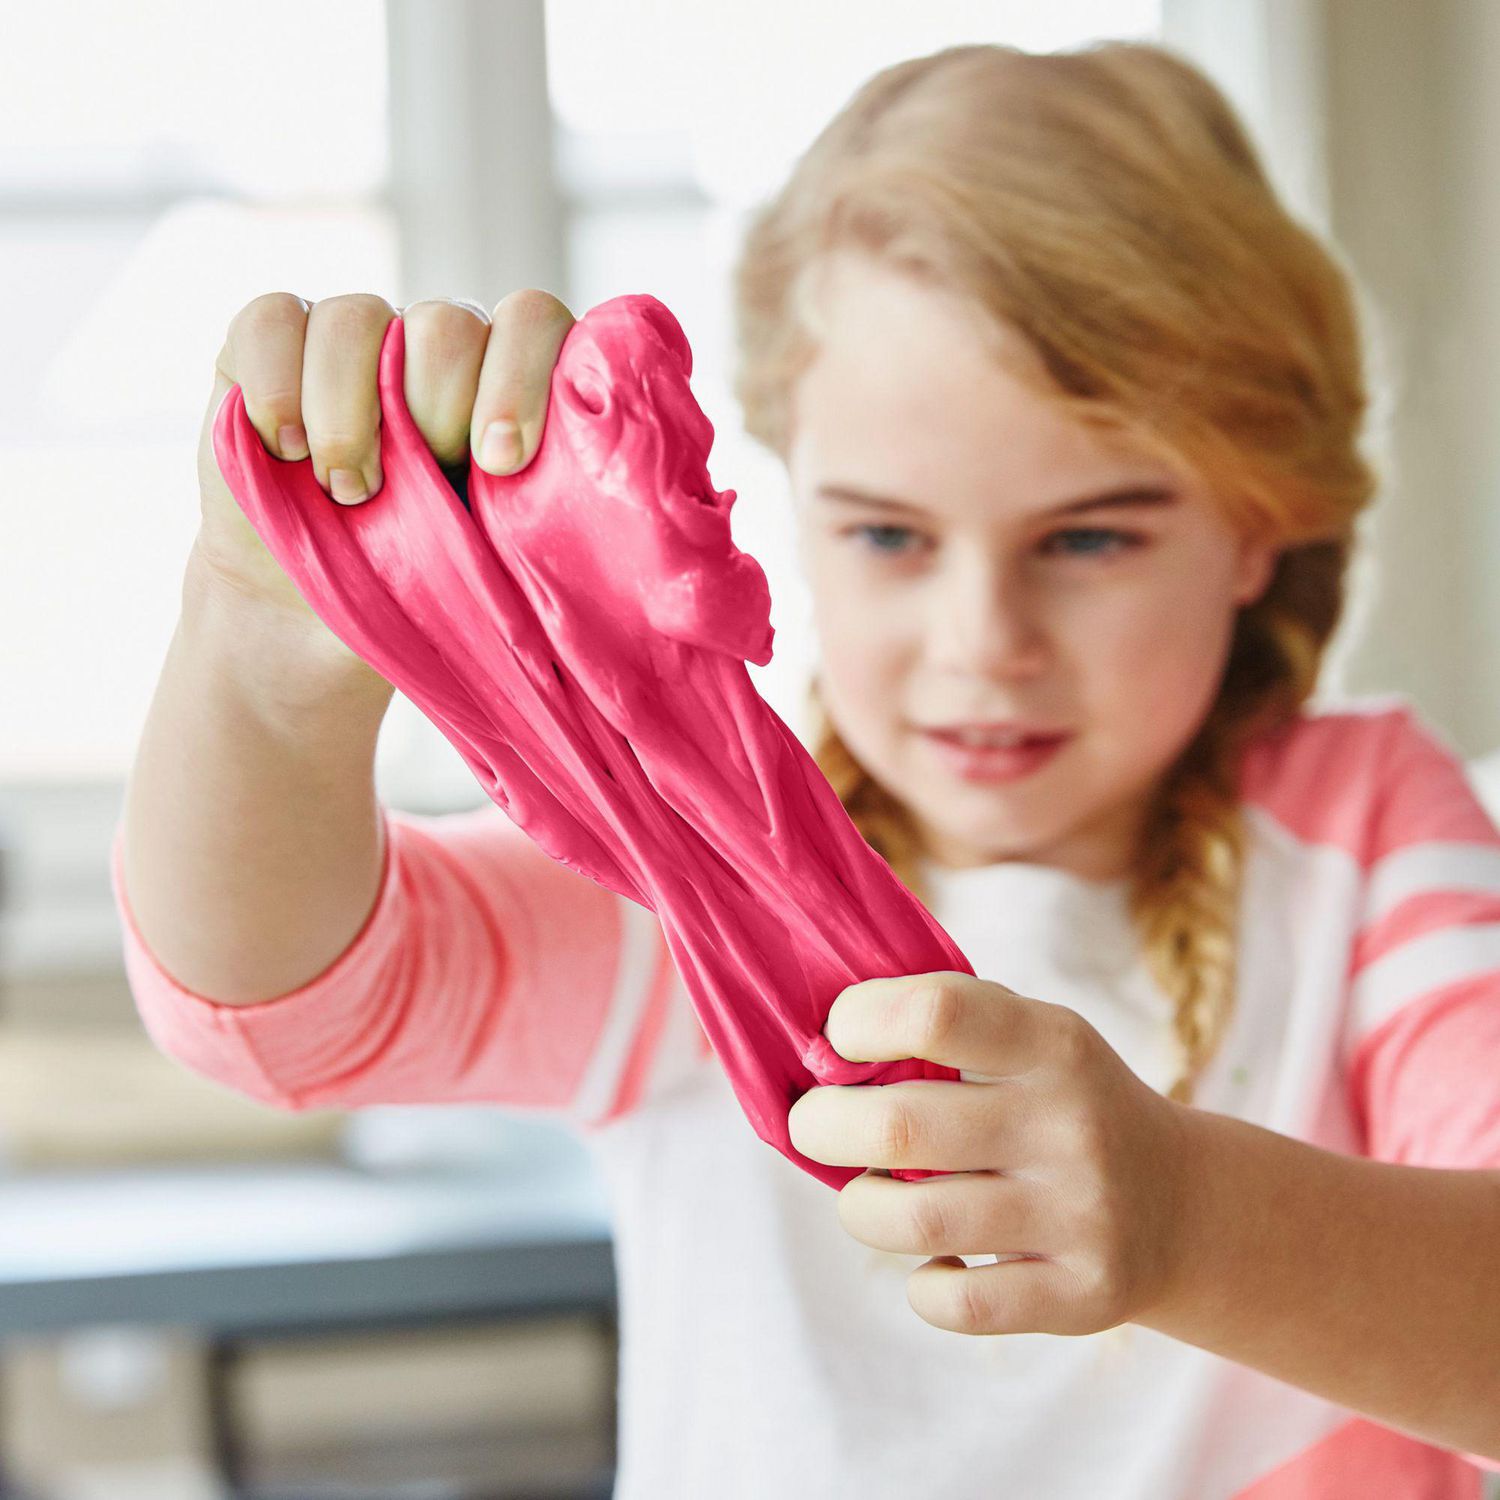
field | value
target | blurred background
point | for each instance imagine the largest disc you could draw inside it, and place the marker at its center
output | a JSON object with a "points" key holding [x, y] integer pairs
{"points": [[200, 1297]]}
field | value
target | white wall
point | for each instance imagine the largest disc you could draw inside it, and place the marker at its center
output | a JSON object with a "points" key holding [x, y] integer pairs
{"points": [[1380, 124], [1414, 136]]}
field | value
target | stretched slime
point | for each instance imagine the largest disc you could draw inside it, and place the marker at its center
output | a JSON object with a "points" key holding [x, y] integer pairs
{"points": [[578, 632]]}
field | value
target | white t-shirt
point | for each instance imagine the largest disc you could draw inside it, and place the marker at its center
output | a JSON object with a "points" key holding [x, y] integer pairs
{"points": [[768, 1355]]}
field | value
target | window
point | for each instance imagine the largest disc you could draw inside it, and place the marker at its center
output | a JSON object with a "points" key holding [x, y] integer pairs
{"points": [[160, 164]]}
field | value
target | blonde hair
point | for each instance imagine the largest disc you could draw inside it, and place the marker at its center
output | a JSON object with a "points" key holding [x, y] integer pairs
{"points": [[1108, 204]]}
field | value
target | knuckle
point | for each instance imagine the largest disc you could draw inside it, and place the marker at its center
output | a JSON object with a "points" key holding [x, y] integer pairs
{"points": [[271, 310], [442, 324], [934, 1223], [933, 1015], [897, 1133], [1081, 1136], [272, 400], [355, 308], [339, 450], [530, 304], [1073, 1042], [1100, 1290], [279, 406], [1093, 1219], [971, 1302]]}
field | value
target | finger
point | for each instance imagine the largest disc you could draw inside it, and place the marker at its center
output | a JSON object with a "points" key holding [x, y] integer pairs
{"points": [[263, 354], [526, 335], [922, 1123], [341, 394], [967, 1213], [1017, 1296], [944, 1017], [445, 344]]}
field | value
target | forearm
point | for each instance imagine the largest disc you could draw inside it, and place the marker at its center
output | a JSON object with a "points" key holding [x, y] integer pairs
{"points": [[1372, 1284], [251, 828]]}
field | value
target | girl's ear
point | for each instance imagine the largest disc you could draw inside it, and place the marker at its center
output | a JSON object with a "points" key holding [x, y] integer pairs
{"points": [[1257, 566]]}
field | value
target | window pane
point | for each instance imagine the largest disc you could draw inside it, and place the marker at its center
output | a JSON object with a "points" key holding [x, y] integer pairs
{"points": [[111, 371], [276, 99]]}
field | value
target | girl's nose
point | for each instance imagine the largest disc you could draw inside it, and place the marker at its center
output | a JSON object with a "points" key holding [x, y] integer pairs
{"points": [[984, 625]]}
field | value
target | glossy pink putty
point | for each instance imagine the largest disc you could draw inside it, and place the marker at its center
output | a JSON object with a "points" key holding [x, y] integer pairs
{"points": [[579, 633]]}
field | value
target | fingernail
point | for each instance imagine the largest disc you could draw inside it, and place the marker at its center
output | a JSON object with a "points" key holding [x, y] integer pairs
{"points": [[348, 485], [501, 448], [292, 441]]}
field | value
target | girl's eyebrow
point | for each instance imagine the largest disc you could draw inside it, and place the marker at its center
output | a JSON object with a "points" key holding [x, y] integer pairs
{"points": [[1137, 494]]}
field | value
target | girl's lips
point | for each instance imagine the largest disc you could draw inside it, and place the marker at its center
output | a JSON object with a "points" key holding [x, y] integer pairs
{"points": [[973, 763]]}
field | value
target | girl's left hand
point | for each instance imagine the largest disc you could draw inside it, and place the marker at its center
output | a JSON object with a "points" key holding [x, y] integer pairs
{"points": [[1067, 1158]]}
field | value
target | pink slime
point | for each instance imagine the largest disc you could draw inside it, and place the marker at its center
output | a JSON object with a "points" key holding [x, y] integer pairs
{"points": [[579, 633]]}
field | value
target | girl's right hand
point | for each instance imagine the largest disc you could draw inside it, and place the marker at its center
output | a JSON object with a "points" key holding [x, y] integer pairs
{"points": [[309, 377]]}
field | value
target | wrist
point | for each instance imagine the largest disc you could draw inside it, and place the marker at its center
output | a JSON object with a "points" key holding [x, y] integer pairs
{"points": [[1224, 1189], [280, 659]]}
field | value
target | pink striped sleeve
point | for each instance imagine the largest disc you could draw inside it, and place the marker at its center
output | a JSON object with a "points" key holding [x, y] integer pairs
{"points": [[1423, 1054], [485, 972], [1423, 1038]]}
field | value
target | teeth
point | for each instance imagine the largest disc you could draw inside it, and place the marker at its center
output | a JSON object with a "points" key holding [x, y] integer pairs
{"points": [[988, 739]]}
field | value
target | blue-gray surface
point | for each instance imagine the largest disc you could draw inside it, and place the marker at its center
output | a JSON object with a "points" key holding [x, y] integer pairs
{"points": [[238, 1247]]}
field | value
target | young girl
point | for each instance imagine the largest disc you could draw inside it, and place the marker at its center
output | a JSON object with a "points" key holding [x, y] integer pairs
{"points": [[1070, 408]]}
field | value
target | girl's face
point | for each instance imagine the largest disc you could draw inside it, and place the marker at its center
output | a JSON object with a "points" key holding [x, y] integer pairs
{"points": [[975, 556]]}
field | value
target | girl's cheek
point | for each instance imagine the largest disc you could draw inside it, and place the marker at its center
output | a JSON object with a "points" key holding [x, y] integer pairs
{"points": [[1161, 666], [854, 619]]}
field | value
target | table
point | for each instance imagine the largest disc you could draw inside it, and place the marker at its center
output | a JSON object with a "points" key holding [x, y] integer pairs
{"points": [[256, 1250]]}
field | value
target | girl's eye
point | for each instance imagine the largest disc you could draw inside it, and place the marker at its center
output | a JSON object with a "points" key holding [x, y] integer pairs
{"points": [[871, 531], [1091, 537], [1078, 541]]}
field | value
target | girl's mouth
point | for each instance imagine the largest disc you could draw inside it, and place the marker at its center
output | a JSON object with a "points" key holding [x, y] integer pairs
{"points": [[994, 763]]}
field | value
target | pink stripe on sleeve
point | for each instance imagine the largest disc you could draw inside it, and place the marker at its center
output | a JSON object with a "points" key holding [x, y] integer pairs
{"points": [[1425, 1085], [1430, 798], [1363, 1460], [1369, 780], [485, 972], [1315, 775], [1418, 916], [1424, 970]]}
